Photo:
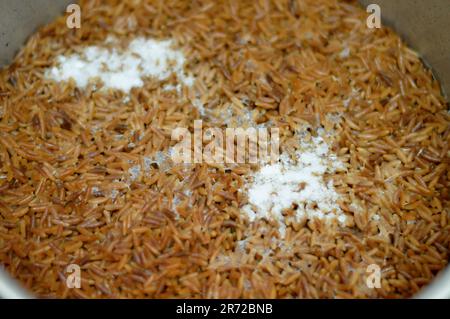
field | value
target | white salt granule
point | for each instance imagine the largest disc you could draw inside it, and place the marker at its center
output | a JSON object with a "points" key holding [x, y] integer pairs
{"points": [[376, 217], [126, 99], [96, 191], [134, 172], [199, 105], [345, 53], [241, 244], [122, 69], [147, 163], [347, 101], [114, 193], [279, 186], [160, 159]]}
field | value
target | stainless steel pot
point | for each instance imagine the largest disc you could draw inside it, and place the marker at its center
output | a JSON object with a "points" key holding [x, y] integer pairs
{"points": [[423, 24]]}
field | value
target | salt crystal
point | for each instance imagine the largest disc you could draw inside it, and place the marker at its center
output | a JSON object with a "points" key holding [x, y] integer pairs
{"points": [[126, 99], [134, 172], [147, 163], [278, 186], [114, 193], [376, 217], [122, 69], [345, 53], [247, 284], [96, 191], [199, 106]]}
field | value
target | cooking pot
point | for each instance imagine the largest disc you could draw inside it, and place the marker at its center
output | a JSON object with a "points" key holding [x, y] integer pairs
{"points": [[422, 23]]}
